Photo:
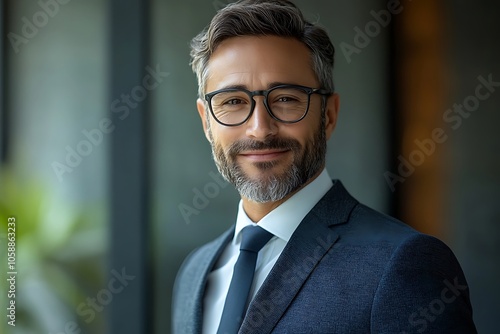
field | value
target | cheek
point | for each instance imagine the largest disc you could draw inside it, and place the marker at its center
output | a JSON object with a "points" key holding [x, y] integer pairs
{"points": [[223, 136], [303, 132]]}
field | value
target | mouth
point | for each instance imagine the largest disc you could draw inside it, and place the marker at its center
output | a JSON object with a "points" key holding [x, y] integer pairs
{"points": [[263, 155]]}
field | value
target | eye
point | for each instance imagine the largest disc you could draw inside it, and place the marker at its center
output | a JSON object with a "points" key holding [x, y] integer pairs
{"points": [[234, 101], [287, 95], [286, 99], [230, 99]]}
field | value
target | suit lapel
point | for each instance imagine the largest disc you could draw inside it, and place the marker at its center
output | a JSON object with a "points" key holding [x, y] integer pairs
{"points": [[202, 264], [310, 242]]}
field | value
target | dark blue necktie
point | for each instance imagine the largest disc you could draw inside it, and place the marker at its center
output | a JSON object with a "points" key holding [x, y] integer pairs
{"points": [[252, 240]]}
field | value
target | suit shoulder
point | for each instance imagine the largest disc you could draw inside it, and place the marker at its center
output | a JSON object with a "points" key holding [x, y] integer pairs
{"points": [[406, 237], [418, 273], [366, 225], [425, 252], [394, 240], [424, 282]]}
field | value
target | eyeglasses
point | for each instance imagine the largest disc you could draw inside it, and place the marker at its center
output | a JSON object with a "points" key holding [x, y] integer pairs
{"points": [[284, 103]]}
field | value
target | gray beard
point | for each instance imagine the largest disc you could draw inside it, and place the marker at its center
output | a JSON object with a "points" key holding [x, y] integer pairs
{"points": [[270, 189], [307, 162]]}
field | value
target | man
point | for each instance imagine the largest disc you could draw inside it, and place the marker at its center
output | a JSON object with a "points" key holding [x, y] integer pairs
{"points": [[331, 265]]}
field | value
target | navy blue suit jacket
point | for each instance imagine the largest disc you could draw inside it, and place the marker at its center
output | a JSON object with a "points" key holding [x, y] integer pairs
{"points": [[346, 269]]}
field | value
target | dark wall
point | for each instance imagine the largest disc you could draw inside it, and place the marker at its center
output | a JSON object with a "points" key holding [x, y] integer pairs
{"points": [[474, 159]]}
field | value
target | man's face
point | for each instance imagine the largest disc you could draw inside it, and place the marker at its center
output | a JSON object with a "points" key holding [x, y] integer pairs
{"points": [[265, 159]]}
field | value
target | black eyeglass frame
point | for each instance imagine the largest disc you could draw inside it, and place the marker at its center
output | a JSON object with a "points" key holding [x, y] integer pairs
{"points": [[265, 93]]}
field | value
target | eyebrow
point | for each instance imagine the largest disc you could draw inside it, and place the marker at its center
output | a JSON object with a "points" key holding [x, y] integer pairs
{"points": [[269, 86]]}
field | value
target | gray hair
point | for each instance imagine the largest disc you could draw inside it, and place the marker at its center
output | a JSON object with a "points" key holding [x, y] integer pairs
{"points": [[260, 18]]}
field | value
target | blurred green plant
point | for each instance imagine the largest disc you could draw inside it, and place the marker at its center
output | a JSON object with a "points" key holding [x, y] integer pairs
{"points": [[59, 257]]}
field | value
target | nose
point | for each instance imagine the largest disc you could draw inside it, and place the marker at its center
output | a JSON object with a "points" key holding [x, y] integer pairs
{"points": [[261, 125]]}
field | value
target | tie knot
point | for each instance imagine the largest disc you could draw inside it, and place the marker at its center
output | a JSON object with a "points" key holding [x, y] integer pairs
{"points": [[253, 238]]}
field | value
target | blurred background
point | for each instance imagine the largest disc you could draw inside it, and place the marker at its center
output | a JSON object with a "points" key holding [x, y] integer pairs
{"points": [[105, 168]]}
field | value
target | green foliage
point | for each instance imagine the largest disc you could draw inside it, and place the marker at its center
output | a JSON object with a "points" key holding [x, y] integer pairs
{"points": [[59, 256]]}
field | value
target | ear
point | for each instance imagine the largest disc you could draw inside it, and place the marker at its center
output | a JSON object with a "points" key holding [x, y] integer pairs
{"points": [[200, 105], [331, 113]]}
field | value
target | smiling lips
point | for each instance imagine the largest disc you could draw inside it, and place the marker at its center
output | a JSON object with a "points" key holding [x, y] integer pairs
{"points": [[264, 155]]}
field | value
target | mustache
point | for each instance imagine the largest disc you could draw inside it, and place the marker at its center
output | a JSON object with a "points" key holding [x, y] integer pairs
{"points": [[269, 144]]}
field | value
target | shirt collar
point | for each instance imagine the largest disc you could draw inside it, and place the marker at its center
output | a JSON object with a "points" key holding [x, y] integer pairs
{"points": [[284, 219]]}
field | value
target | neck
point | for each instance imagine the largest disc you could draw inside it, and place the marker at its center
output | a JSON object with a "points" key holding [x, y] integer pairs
{"points": [[256, 211]]}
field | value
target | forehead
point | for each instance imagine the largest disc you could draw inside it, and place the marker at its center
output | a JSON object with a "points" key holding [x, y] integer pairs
{"points": [[257, 61]]}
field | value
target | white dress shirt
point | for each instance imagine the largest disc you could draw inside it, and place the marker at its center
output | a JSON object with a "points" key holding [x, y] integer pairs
{"points": [[281, 222]]}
